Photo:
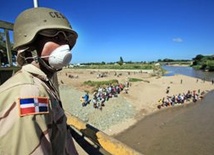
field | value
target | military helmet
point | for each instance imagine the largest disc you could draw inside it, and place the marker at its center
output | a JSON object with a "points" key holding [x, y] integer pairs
{"points": [[31, 21]]}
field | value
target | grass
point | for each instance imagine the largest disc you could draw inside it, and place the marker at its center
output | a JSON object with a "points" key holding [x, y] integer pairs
{"points": [[98, 84], [135, 80], [116, 66]]}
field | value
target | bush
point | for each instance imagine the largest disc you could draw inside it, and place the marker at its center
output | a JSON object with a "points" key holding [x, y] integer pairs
{"points": [[98, 84]]}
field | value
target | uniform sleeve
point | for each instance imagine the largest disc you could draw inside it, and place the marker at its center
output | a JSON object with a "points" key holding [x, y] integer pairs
{"points": [[31, 119], [29, 133]]}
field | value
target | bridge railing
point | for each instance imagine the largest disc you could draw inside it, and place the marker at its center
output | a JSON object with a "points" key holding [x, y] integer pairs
{"points": [[7, 71], [99, 138]]}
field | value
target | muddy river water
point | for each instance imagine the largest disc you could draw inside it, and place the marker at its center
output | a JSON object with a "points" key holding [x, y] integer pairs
{"points": [[181, 130], [184, 130]]}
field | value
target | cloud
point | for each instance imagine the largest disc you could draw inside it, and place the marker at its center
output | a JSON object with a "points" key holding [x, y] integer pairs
{"points": [[178, 40]]}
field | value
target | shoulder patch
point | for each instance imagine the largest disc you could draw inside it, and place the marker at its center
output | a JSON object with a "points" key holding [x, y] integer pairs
{"points": [[33, 106]]}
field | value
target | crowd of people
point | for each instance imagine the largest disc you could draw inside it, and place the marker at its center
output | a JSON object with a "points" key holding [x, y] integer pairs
{"points": [[190, 96], [103, 94]]}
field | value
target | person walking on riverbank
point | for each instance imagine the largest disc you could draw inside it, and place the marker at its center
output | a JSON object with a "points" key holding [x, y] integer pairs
{"points": [[167, 90], [85, 99], [32, 118]]}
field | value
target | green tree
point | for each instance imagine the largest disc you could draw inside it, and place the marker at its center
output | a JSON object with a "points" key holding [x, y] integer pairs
{"points": [[120, 62], [210, 65], [204, 62], [198, 59]]}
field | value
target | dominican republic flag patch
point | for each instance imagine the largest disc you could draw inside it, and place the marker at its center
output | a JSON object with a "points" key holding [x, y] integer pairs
{"points": [[33, 105]]}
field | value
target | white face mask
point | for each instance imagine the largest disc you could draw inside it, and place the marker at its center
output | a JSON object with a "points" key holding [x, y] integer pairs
{"points": [[60, 57]]}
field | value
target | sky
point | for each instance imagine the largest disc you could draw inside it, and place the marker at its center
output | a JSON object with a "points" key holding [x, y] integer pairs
{"points": [[136, 30]]}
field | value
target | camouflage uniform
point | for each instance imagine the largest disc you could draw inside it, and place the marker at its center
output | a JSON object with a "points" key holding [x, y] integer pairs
{"points": [[39, 132]]}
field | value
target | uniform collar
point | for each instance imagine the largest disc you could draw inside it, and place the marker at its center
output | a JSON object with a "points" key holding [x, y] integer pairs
{"points": [[36, 71]]}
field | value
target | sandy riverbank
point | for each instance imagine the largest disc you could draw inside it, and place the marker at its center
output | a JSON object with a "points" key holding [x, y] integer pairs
{"points": [[141, 100]]}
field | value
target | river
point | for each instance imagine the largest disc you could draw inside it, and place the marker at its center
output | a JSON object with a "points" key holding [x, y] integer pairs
{"points": [[183, 130], [189, 71]]}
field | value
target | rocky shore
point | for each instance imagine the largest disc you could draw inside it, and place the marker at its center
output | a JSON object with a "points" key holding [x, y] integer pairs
{"points": [[116, 109], [119, 113]]}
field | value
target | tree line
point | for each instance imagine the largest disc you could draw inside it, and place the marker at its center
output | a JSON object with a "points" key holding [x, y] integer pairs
{"points": [[203, 62]]}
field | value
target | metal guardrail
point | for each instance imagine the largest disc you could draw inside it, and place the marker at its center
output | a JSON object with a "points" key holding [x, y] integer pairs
{"points": [[6, 26], [7, 72], [101, 139]]}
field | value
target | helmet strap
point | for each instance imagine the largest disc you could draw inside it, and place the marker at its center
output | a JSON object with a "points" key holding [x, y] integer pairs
{"points": [[44, 66]]}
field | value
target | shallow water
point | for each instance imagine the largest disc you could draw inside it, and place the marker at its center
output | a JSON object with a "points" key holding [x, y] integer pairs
{"points": [[183, 130], [189, 71]]}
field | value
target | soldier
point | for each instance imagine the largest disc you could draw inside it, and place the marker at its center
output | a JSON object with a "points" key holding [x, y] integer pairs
{"points": [[32, 120]]}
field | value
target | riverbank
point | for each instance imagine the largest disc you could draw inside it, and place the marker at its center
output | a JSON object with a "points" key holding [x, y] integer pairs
{"points": [[125, 110], [186, 129]]}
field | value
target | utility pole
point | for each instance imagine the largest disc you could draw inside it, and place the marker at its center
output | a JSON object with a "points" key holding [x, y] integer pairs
{"points": [[35, 3]]}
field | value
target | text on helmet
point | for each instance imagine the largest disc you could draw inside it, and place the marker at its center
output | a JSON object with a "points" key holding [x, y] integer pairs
{"points": [[56, 15]]}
